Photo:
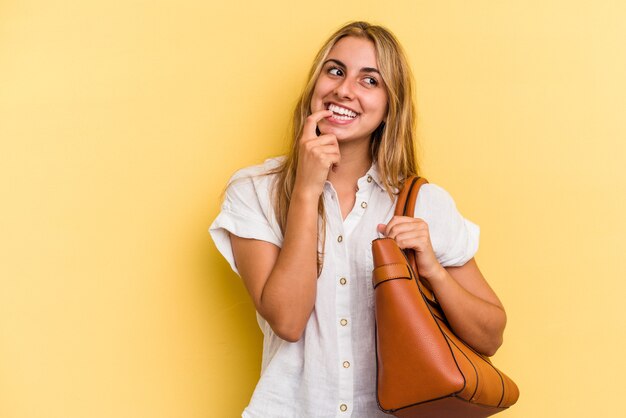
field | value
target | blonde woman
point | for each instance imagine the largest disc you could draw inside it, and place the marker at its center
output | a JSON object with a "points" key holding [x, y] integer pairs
{"points": [[298, 230]]}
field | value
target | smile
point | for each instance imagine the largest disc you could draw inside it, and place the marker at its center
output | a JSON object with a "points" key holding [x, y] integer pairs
{"points": [[341, 113]]}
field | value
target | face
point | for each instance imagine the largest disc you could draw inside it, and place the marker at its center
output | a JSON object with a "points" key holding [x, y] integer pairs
{"points": [[350, 85]]}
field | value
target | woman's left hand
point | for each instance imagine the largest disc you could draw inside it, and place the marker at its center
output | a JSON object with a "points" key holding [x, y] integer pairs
{"points": [[471, 306], [413, 233]]}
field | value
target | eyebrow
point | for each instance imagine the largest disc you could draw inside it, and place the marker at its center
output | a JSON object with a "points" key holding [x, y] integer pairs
{"points": [[363, 70]]}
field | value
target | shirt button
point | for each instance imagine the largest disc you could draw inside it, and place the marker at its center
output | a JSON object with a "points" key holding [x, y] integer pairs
{"points": [[369, 178], [339, 238], [343, 281], [363, 205], [343, 407], [346, 364], [343, 322]]}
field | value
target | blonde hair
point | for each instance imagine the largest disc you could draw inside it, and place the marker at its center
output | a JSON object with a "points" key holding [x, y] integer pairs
{"points": [[392, 143]]}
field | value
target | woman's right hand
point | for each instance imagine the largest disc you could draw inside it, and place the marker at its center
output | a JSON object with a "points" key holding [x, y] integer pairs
{"points": [[317, 155], [283, 281]]}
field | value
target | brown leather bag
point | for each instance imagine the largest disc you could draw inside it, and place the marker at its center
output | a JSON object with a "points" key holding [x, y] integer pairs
{"points": [[423, 369]]}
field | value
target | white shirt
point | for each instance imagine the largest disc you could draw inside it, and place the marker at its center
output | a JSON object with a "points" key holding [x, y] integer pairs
{"points": [[331, 370]]}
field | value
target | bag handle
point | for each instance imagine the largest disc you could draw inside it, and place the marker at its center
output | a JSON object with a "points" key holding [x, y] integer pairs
{"points": [[405, 206]]}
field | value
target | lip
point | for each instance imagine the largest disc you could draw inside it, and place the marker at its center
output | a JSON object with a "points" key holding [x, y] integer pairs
{"points": [[331, 119], [327, 104]]}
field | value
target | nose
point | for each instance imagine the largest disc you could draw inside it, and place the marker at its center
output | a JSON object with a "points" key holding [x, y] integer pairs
{"points": [[344, 90]]}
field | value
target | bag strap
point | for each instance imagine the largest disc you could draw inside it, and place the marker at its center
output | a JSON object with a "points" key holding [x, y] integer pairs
{"points": [[405, 206]]}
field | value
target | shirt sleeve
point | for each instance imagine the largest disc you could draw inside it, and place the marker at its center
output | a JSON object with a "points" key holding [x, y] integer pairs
{"points": [[245, 212], [454, 238]]}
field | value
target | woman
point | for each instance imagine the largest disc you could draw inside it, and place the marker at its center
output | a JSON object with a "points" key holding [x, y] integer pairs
{"points": [[298, 231]]}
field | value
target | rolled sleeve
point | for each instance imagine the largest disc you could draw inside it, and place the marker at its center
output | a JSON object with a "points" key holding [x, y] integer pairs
{"points": [[246, 213], [454, 238]]}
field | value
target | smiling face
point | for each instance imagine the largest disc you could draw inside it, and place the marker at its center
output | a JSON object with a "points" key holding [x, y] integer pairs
{"points": [[351, 86]]}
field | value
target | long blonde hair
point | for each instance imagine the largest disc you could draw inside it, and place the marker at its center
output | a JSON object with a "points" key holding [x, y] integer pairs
{"points": [[392, 143]]}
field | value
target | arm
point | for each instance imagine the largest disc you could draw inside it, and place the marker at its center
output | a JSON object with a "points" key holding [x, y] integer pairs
{"points": [[472, 308], [282, 282]]}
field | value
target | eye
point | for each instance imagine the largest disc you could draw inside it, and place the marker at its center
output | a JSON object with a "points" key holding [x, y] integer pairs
{"points": [[371, 81], [335, 71]]}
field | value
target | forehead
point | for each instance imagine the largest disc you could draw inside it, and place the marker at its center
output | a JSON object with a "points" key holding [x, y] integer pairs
{"points": [[354, 52]]}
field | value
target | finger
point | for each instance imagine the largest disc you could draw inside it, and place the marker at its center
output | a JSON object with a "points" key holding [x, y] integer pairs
{"points": [[335, 159], [331, 161], [332, 140], [399, 229], [406, 243], [326, 140], [397, 221], [327, 156], [320, 145], [325, 150], [409, 225], [310, 124], [409, 240]]}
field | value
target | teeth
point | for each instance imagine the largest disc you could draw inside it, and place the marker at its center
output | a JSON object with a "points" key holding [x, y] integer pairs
{"points": [[342, 111]]}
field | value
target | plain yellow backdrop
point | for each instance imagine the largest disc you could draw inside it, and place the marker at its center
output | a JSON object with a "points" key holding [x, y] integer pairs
{"points": [[121, 121]]}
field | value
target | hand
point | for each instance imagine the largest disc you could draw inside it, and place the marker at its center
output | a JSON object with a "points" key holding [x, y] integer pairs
{"points": [[413, 233], [317, 155]]}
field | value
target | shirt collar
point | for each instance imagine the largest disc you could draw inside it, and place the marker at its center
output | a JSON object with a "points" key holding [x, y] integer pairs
{"points": [[374, 175]]}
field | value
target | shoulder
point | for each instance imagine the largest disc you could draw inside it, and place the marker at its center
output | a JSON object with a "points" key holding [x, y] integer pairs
{"points": [[437, 207], [255, 179], [433, 201], [247, 209], [454, 238], [259, 170]]}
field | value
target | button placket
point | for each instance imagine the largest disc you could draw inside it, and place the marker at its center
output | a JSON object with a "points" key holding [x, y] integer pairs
{"points": [[343, 297]]}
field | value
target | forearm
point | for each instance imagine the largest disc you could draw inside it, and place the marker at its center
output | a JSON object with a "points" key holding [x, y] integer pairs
{"points": [[289, 294], [478, 322]]}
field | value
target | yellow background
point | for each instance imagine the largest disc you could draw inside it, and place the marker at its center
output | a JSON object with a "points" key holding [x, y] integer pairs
{"points": [[121, 122]]}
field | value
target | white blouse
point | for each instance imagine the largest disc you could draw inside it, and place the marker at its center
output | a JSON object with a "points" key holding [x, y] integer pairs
{"points": [[331, 370]]}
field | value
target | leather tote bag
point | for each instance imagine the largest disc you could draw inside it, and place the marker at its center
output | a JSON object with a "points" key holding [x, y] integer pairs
{"points": [[423, 369]]}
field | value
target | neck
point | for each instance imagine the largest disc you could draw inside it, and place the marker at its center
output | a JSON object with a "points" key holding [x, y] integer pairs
{"points": [[355, 161]]}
